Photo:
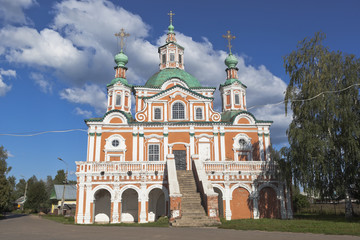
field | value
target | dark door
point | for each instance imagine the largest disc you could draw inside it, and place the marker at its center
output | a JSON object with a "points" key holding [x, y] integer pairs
{"points": [[180, 159]]}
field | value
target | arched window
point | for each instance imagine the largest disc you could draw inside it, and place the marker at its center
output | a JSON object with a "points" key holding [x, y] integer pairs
{"points": [[237, 99], [198, 113], [118, 100], [178, 111], [157, 113]]}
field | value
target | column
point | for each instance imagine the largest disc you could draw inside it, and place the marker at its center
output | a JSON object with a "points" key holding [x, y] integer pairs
{"points": [[98, 145], [91, 146], [227, 202], [166, 141], [143, 200], [216, 143], [255, 202], [222, 143], [115, 201], [192, 140], [113, 99], [191, 112], [149, 111], [267, 143], [80, 206], [207, 111], [232, 99], [141, 144], [89, 199], [166, 112], [134, 145], [261, 143]]}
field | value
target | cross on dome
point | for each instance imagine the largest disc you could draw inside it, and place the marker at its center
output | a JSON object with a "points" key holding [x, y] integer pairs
{"points": [[122, 35], [171, 14], [229, 37]]}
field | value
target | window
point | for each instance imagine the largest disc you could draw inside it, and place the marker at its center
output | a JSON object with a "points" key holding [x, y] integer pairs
{"points": [[178, 111], [172, 57], [115, 143], [154, 152], [242, 143], [237, 99], [118, 100], [180, 58], [198, 113], [157, 113], [164, 58]]}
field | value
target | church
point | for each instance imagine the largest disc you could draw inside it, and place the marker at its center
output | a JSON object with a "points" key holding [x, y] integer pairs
{"points": [[174, 155]]}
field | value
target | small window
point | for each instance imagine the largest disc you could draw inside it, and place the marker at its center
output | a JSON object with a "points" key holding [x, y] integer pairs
{"points": [[178, 111], [154, 152], [115, 143], [172, 57], [164, 58], [198, 113], [157, 113], [237, 99], [118, 100], [242, 143], [180, 58]]}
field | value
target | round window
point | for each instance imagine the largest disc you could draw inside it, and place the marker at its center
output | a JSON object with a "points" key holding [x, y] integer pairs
{"points": [[115, 143]]}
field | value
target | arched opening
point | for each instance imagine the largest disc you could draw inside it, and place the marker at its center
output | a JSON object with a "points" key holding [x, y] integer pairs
{"points": [[268, 203], [220, 202], [129, 206], [241, 205], [102, 206], [178, 111], [156, 204]]}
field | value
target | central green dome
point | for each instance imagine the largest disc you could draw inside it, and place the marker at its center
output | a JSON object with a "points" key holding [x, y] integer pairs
{"points": [[168, 73]]}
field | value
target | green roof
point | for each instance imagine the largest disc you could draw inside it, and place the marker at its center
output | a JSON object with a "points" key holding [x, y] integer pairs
{"points": [[231, 81], [158, 79], [122, 80]]}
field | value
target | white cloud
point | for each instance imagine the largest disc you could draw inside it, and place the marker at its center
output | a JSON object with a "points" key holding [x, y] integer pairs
{"points": [[90, 94], [12, 11], [82, 112], [4, 88], [9, 154], [45, 86]]}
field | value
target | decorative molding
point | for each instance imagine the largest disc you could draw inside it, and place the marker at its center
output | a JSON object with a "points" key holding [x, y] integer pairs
{"points": [[91, 134], [98, 134], [141, 135]]}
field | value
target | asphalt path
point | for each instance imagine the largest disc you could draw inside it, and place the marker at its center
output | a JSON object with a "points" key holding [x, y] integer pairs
{"points": [[24, 227]]}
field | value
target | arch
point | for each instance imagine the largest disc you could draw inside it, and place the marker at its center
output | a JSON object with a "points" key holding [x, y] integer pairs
{"points": [[267, 184], [241, 204], [269, 204], [242, 186], [123, 189], [156, 204], [178, 110], [172, 82], [158, 186], [115, 114], [220, 193], [130, 205], [106, 187], [102, 206]]}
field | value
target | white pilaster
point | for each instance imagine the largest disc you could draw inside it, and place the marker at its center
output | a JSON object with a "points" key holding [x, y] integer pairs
{"points": [[141, 143], [267, 143], [134, 146], [80, 207], [207, 111], [232, 98], [228, 198], [192, 140], [255, 202], [115, 201], [166, 141], [261, 144], [149, 112], [166, 112], [113, 99], [91, 146], [89, 199], [143, 199], [191, 112], [222, 143], [98, 144], [216, 143]]}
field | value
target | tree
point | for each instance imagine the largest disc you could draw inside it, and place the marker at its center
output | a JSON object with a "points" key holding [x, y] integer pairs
{"points": [[60, 177], [5, 185], [37, 197], [323, 93]]}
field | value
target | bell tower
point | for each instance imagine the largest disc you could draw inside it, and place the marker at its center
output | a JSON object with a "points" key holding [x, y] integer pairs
{"points": [[119, 90], [233, 91], [171, 54]]}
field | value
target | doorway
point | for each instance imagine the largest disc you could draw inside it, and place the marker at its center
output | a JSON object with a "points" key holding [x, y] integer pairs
{"points": [[180, 159]]}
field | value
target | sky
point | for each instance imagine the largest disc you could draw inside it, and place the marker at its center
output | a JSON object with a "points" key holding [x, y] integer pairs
{"points": [[56, 58]]}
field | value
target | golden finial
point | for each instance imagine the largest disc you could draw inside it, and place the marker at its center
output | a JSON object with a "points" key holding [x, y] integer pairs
{"points": [[229, 37], [122, 35], [171, 14]]}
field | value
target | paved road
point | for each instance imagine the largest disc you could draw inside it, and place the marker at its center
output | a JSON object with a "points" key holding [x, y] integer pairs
{"points": [[34, 228]]}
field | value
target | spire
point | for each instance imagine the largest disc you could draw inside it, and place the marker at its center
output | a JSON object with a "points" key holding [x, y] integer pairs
{"points": [[121, 59], [171, 33], [230, 61], [229, 37]]}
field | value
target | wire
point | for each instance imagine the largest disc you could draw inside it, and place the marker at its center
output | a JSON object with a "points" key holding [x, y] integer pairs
{"points": [[308, 99], [39, 133]]}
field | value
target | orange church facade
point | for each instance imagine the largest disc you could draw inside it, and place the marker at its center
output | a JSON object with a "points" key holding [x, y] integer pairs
{"points": [[134, 161]]}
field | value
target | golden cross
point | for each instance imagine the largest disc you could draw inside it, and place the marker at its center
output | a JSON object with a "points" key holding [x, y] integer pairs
{"points": [[229, 37], [171, 14], [122, 35]]}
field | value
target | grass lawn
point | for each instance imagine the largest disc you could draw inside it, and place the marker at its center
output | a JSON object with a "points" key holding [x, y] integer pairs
{"points": [[306, 223], [161, 222]]}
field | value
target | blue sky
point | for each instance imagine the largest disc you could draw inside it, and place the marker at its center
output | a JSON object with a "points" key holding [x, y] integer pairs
{"points": [[57, 56]]}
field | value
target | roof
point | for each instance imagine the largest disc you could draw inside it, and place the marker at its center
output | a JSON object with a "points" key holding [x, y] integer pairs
{"points": [[168, 73], [100, 119], [70, 192], [229, 116]]}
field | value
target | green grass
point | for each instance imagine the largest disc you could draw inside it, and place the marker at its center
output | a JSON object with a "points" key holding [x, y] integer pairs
{"points": [[305, 223], [161, 222]]}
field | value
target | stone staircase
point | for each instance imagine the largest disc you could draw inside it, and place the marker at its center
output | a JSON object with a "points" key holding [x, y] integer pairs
{"points": [[193, 213]]}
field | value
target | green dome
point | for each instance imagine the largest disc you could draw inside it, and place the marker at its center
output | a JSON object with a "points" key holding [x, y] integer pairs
{"points": [[231, 61], [121, 59], [168, 73], [171, 28]]}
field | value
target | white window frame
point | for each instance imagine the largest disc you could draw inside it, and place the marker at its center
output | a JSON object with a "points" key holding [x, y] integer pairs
{"points": [[172, 113], [238, 97], [161, 112], [152, 144], [202, 112], [171, 57]]}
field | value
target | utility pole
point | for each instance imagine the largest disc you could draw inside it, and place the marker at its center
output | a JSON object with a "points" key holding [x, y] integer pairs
{"points": [[26, 186], [63, 195]]}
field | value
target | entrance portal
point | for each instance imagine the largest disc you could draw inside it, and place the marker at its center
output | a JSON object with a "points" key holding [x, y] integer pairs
{"points": [[180, 159]]}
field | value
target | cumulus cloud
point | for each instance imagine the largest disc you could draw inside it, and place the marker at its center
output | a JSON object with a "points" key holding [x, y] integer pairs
{"points": [[82, 112], [12, 11], [44, 85], [89, 94], [4, 88]]}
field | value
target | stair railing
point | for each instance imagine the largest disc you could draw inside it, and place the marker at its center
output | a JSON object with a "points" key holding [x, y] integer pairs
{"points": [[204, 186], [174, 189]]}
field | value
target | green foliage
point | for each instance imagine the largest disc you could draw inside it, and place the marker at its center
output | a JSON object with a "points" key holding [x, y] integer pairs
{"points": [[5, 184], [324, 135], [60, 177], [37, 197], [299, 201]]}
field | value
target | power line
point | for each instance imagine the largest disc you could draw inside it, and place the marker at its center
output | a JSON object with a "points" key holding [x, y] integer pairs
{"points": [[40, 133]]}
